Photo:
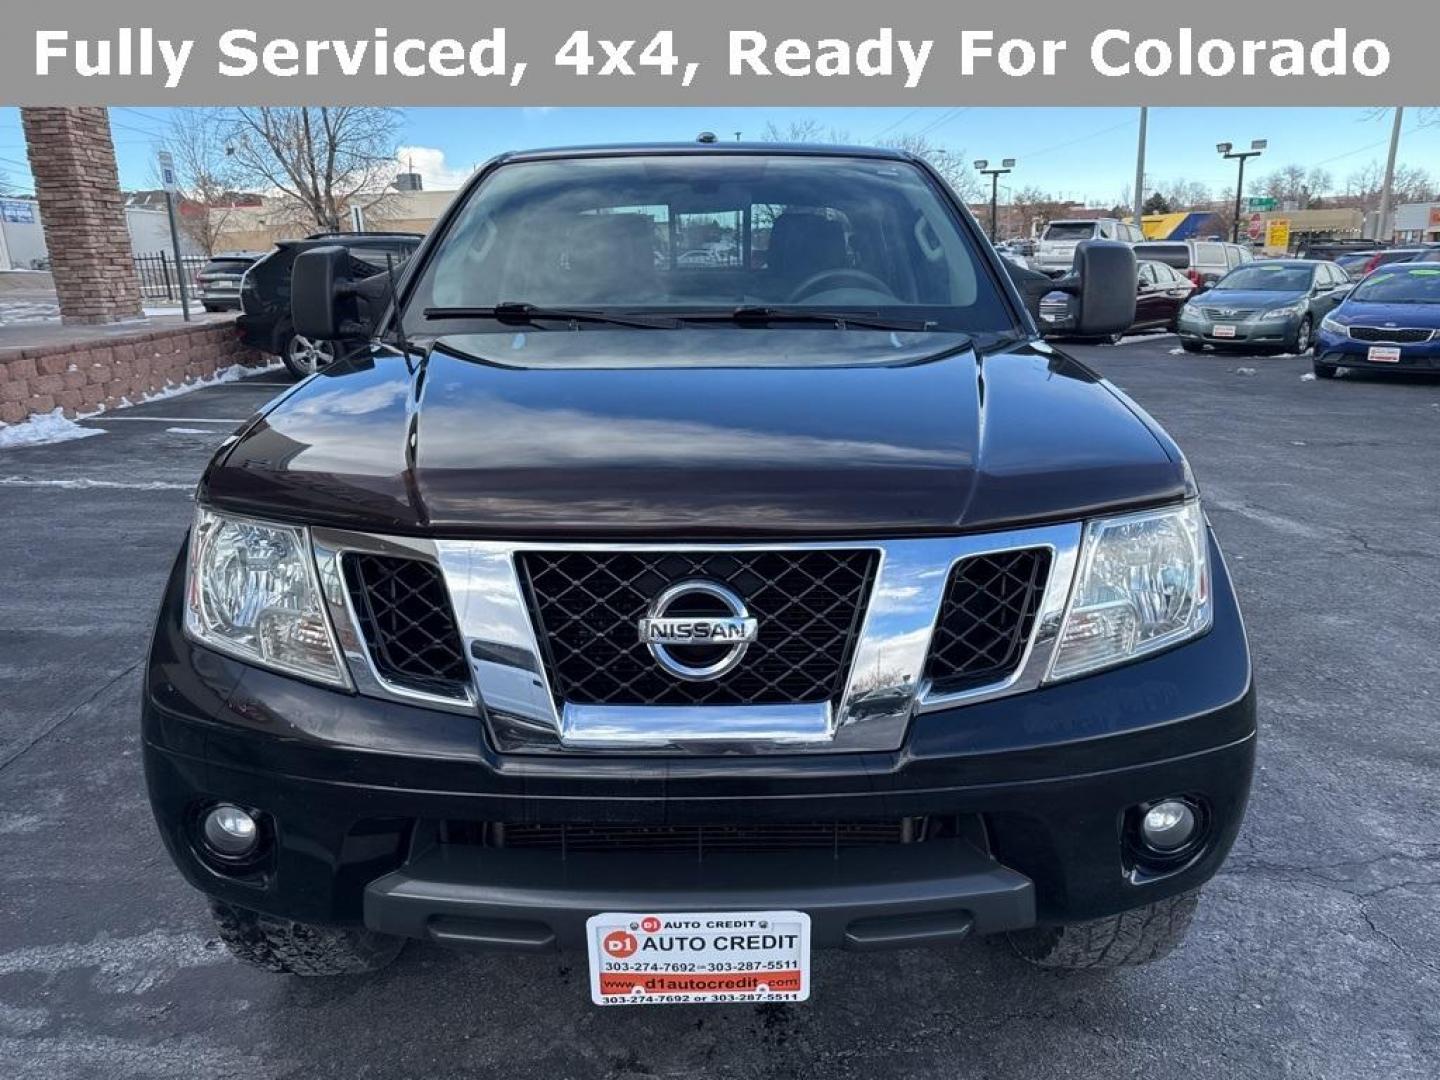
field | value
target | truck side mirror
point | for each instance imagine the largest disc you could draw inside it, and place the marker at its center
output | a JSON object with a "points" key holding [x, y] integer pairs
{"points": [[1103, 283], [322, 304]]}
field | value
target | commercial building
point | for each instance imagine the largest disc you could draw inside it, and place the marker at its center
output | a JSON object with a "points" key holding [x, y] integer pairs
{"points": [[1417, 223]]}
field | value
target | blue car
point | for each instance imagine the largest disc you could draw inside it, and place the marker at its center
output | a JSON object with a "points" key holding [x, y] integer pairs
{"points": [[1390, 321]]}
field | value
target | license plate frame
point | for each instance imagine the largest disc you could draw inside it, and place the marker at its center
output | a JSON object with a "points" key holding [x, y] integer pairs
{"points": [[1223, 330], [1383, 354], [672, 958]]}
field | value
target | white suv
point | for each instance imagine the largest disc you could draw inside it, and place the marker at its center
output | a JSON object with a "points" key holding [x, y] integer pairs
{"points": [[1056, 250]]}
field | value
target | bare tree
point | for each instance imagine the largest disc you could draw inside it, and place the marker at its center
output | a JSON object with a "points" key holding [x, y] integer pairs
{"points": [[1183, 194], [1412, 184], [950, 164], [803, 131], [319, 160], [206, 171], [1032, 208], [1295, 184]]}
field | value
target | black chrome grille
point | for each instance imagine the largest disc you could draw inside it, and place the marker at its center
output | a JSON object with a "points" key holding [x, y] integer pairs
{"points": [[587, 607], [1394, 335], [1230, 314], [698, 840], [405, 617], [986, 617]]}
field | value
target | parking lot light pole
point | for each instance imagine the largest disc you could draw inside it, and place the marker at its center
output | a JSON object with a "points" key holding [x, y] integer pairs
{"points": [[1229, 153], [983, 167]]}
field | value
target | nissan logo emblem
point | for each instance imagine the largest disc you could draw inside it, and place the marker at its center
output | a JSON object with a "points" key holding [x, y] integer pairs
{"points": [[670, 637]]}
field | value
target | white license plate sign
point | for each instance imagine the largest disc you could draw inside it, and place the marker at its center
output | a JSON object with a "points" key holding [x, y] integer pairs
{"points": [[1384, 354], [1223, 330], [698, 957]]}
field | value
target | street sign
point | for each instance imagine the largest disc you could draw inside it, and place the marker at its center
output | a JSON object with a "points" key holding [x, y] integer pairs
{"points": [[1277, 233], [1256, 228], [1260, 202], [166, 164]]}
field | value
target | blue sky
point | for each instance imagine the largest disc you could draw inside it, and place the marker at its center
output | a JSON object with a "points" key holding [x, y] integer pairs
{"points": [[1087, 154]]}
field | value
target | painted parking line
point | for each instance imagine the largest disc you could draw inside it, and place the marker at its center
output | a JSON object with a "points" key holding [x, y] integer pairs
{"points": [[105, 418]]}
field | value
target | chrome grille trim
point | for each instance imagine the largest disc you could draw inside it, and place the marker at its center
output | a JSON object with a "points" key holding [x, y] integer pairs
{"points": [[884, 688], [329, 546]]}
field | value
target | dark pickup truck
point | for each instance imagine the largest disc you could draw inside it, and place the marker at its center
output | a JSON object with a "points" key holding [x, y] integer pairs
{"points": [[694, 613]]}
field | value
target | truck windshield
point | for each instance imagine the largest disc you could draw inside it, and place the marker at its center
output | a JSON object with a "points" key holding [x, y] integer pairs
{"points": [[706, 234]]}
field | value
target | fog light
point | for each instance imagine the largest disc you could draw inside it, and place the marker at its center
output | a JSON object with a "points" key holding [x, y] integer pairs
{"points": [[230, 831], [1168, 826]]}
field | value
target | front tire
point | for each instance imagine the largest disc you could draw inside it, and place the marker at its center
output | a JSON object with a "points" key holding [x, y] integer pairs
{"points": [[292, 948], [1192, 346], [1324, 371], [1125, 940], [1303, 340], [303, 357]]}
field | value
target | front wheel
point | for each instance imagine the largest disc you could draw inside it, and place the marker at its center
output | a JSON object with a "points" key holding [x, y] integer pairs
{"points": [[1301, 342], [1192, 346], [293, 948], [1324, 371], [304, 356], [1124, 940]]}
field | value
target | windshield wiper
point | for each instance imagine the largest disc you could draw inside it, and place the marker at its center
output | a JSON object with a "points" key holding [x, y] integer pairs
{"points": [[762, 313], [515, 311]]}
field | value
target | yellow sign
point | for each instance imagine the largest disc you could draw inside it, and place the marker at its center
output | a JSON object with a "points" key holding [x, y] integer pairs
{"points": [[1277, 233]]}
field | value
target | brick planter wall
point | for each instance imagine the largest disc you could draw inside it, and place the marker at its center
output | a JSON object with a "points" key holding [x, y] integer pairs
{"points": [[94, 375]]}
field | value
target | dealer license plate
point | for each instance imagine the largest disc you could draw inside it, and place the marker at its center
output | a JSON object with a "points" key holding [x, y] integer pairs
{"points": [[698, 957], [1383, 354], [1223, 330]]}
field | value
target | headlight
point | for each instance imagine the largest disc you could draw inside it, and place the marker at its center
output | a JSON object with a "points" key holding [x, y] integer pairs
{"points": [[251, 591], [1334, 327], [1143, 584], [1284, 312]]}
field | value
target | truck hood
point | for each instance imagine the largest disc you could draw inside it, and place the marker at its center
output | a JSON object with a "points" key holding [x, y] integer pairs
{"points": [[704, 433]]}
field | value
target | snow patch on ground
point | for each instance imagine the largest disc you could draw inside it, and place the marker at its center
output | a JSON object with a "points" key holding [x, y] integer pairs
{"points": [[187, 431], [43, 429], [1309, 376], [233, 373], [86, 483], [53, 427], [1131, 339]]}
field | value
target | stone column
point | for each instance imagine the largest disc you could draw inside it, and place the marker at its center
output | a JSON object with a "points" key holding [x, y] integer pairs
{"points": [[73, 162]]}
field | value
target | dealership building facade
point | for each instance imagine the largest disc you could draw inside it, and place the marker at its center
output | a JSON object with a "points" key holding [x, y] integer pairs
{"points": [[1417, 223]]}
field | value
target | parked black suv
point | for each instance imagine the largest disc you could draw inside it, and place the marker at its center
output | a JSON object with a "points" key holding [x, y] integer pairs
{"points": [[219, 280], [265, 292], [693, 615]]}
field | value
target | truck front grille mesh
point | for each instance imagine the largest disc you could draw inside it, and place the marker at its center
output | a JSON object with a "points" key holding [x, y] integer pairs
{"points": [[405, 618], [587, 605], [986, 618], [696, 840]]}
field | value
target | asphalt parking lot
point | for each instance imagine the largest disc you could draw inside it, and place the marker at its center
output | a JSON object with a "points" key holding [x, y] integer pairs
{"points": [[1316, 952]]}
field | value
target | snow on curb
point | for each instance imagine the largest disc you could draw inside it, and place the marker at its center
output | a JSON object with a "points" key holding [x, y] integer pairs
{"points": [[44, 428], [54, 427], [233, 373]]}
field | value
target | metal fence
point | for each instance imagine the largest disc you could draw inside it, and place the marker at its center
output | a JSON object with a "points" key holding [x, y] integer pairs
{"points": [[160, 277]]}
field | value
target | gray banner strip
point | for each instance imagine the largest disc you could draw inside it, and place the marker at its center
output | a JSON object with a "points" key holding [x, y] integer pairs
{"points": [[744, 52]]}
